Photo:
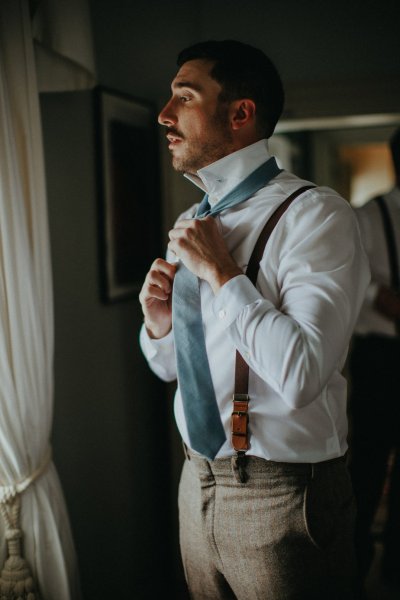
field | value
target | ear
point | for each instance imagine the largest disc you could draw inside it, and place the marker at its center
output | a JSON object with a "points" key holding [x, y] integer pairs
{"points": [[243, 113]]}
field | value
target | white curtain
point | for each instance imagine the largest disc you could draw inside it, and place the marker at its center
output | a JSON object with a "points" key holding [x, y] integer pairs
{"points": [[26, 323]]}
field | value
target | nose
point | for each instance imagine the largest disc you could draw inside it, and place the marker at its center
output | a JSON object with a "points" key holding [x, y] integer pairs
{"points": [[167, 116]]}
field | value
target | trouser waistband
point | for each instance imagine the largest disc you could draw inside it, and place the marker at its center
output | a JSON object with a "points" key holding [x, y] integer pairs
{"points": [[243, 465]]}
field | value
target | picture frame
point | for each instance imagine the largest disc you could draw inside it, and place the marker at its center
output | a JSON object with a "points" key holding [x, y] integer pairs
{"points": [[129, 207]]}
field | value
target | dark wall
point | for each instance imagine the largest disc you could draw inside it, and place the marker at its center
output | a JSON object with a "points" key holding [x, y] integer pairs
{"points": [[111, 421], [311, 42]]}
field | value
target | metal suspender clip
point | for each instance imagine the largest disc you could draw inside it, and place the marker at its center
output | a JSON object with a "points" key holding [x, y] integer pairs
{"points": [[240, 436]]}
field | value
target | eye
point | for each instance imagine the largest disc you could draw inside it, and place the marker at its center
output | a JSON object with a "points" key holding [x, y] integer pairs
{"points": [[184, 98]]}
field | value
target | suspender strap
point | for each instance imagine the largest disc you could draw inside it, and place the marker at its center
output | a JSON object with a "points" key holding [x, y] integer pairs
{"points": [[240, 417], [391, 248]]}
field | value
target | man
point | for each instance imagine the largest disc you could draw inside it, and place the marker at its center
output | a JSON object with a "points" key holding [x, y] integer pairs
{"points": [[273, 522], [375, 380]]}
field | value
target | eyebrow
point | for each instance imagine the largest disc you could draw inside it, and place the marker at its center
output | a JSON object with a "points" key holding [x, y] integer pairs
{"points": [[187, 84]]}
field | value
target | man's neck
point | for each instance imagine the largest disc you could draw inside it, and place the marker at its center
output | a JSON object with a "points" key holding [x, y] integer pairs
{"points": [[233, 167]]}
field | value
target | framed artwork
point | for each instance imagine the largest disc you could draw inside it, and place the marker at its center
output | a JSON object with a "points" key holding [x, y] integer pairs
{"points": [[129, 195]]}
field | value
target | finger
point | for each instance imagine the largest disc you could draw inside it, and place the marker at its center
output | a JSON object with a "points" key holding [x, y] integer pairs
{"points": [[163, 266], [161, 280], [176, 234], [180, 244], [152, 291], [183, 223], [179, 231], [191, 230], [157, 293], [185, 226]]}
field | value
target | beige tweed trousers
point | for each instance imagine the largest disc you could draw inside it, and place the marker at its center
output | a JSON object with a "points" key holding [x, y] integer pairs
{"points": [[284, 534]]}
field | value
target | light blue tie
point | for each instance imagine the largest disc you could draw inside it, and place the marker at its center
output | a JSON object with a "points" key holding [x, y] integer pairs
{"points": [[203, 420]]}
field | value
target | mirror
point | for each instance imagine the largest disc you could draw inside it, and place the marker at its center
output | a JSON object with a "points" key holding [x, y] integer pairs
{"points": [[349, 154]]}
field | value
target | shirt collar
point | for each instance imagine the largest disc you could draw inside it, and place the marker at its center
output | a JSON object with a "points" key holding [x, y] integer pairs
{"points": [[219, 178]]}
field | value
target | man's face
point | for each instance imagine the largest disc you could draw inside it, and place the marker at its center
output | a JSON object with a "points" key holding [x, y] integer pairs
{"points": [[198, 123]]}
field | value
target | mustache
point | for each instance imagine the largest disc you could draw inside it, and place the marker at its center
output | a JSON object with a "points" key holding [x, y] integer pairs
{"points": [[175, 132]]}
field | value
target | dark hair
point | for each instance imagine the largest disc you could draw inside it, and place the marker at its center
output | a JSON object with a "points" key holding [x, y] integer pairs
{"points": [[243, 72], [395, 149]]}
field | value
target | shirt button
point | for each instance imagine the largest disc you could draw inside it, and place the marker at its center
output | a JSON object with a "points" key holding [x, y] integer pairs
{"points": [[222, 313]]}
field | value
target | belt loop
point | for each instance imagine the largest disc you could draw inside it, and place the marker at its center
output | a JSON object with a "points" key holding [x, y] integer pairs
{"points": [[313, 471]]}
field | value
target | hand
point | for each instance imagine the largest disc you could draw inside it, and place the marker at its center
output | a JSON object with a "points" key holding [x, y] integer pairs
{"points": [[156, 298], [201, 247]]}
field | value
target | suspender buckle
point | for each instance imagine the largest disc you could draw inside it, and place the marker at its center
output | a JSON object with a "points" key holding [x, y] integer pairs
{"points": [[241, 397], [239, 422]]}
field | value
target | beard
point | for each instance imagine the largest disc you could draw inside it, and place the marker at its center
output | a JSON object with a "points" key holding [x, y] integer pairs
{"points": [[203, 150]]}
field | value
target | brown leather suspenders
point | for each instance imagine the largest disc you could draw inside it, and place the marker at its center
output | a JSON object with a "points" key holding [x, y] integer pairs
{"points": [[240, 417]]}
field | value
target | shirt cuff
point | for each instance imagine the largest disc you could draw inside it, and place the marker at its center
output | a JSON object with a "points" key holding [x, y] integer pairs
{"points": [[233, 297], [153, 347]]}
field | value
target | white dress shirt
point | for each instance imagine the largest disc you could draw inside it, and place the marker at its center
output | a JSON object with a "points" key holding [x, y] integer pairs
{"points": [[375, 244], [294, 328]]}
